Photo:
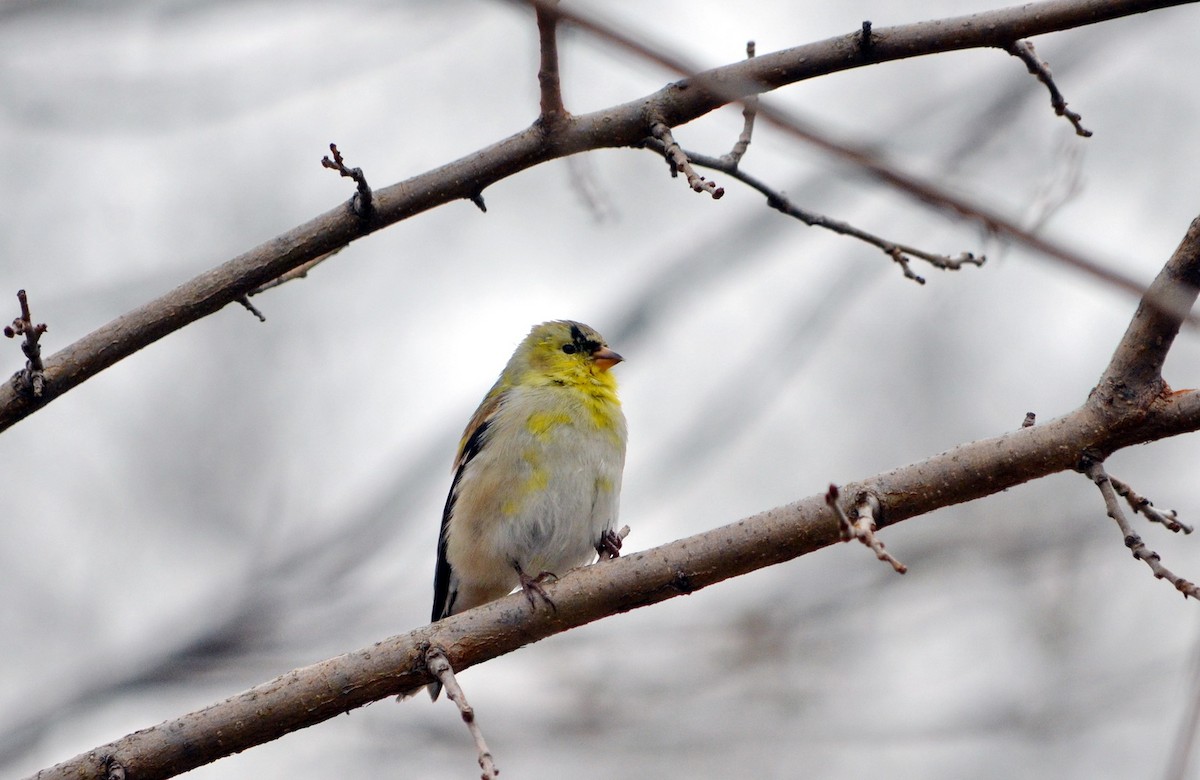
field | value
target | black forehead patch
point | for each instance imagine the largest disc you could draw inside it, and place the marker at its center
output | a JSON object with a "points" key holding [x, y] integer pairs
{"points": [[581, 340]]}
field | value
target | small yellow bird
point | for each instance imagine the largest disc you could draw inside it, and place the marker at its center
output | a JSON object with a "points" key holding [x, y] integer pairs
{"points": [[538, 474]]}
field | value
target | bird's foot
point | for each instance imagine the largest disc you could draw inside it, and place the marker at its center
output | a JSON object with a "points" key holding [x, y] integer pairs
{"points": [[532, 586], [609, 545]]}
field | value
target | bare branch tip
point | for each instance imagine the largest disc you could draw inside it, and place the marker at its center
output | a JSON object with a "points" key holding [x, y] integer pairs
{"points": [[777, 200], [1024, 51], [900, 257], [439, 665], [1145, 507], [32, 379], [250, 307], [749, 113], [363, 202], [862, 527], [1111, 489], [679, 162]]}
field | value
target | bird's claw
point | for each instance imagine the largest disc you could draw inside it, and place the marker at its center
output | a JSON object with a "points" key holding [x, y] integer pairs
{"points": [[609, 545], [532, 586]]}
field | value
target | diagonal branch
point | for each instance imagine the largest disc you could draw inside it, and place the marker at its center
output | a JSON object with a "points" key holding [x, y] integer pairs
{"points": [[900, 253], [1024, 51], [1136, 366], [1094, 469], [304, 697], [625, 125]]}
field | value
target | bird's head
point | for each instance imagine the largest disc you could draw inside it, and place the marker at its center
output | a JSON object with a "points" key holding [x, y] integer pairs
{"points": [[564, 352]]}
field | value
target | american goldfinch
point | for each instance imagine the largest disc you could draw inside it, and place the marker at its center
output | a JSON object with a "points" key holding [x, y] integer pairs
{"points": [[538, 473]]}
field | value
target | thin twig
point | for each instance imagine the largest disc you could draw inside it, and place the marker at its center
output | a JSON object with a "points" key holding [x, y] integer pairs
{"points": [[363, 202], [862, 527], [1094, 469], [437, 663], [549, 81], [749, 112], [1023, 50], [864, 39], [250, 307], [678, 160], [1143, 506], [33, 378], [900, 253]]}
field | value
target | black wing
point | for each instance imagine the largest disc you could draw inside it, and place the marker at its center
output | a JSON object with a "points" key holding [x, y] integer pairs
{"points": [[443, 596]]}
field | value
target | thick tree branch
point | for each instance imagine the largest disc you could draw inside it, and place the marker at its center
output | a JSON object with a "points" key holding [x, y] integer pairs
{"points": [[624, 125], [316, 693], [1135, 372]]}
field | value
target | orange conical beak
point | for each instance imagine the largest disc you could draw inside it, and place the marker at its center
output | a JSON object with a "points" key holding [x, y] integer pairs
{"points": [[605, 358]]}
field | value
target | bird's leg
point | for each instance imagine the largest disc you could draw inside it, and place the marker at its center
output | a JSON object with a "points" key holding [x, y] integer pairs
{"points": [[609, 545], [533, 585]]}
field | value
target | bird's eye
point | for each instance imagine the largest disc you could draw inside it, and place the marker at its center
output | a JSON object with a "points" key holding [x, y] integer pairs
{"points": [[569, 349]]}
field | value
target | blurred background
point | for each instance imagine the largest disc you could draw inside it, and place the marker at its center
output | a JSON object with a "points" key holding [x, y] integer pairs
{"points": [[240, 498]]}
